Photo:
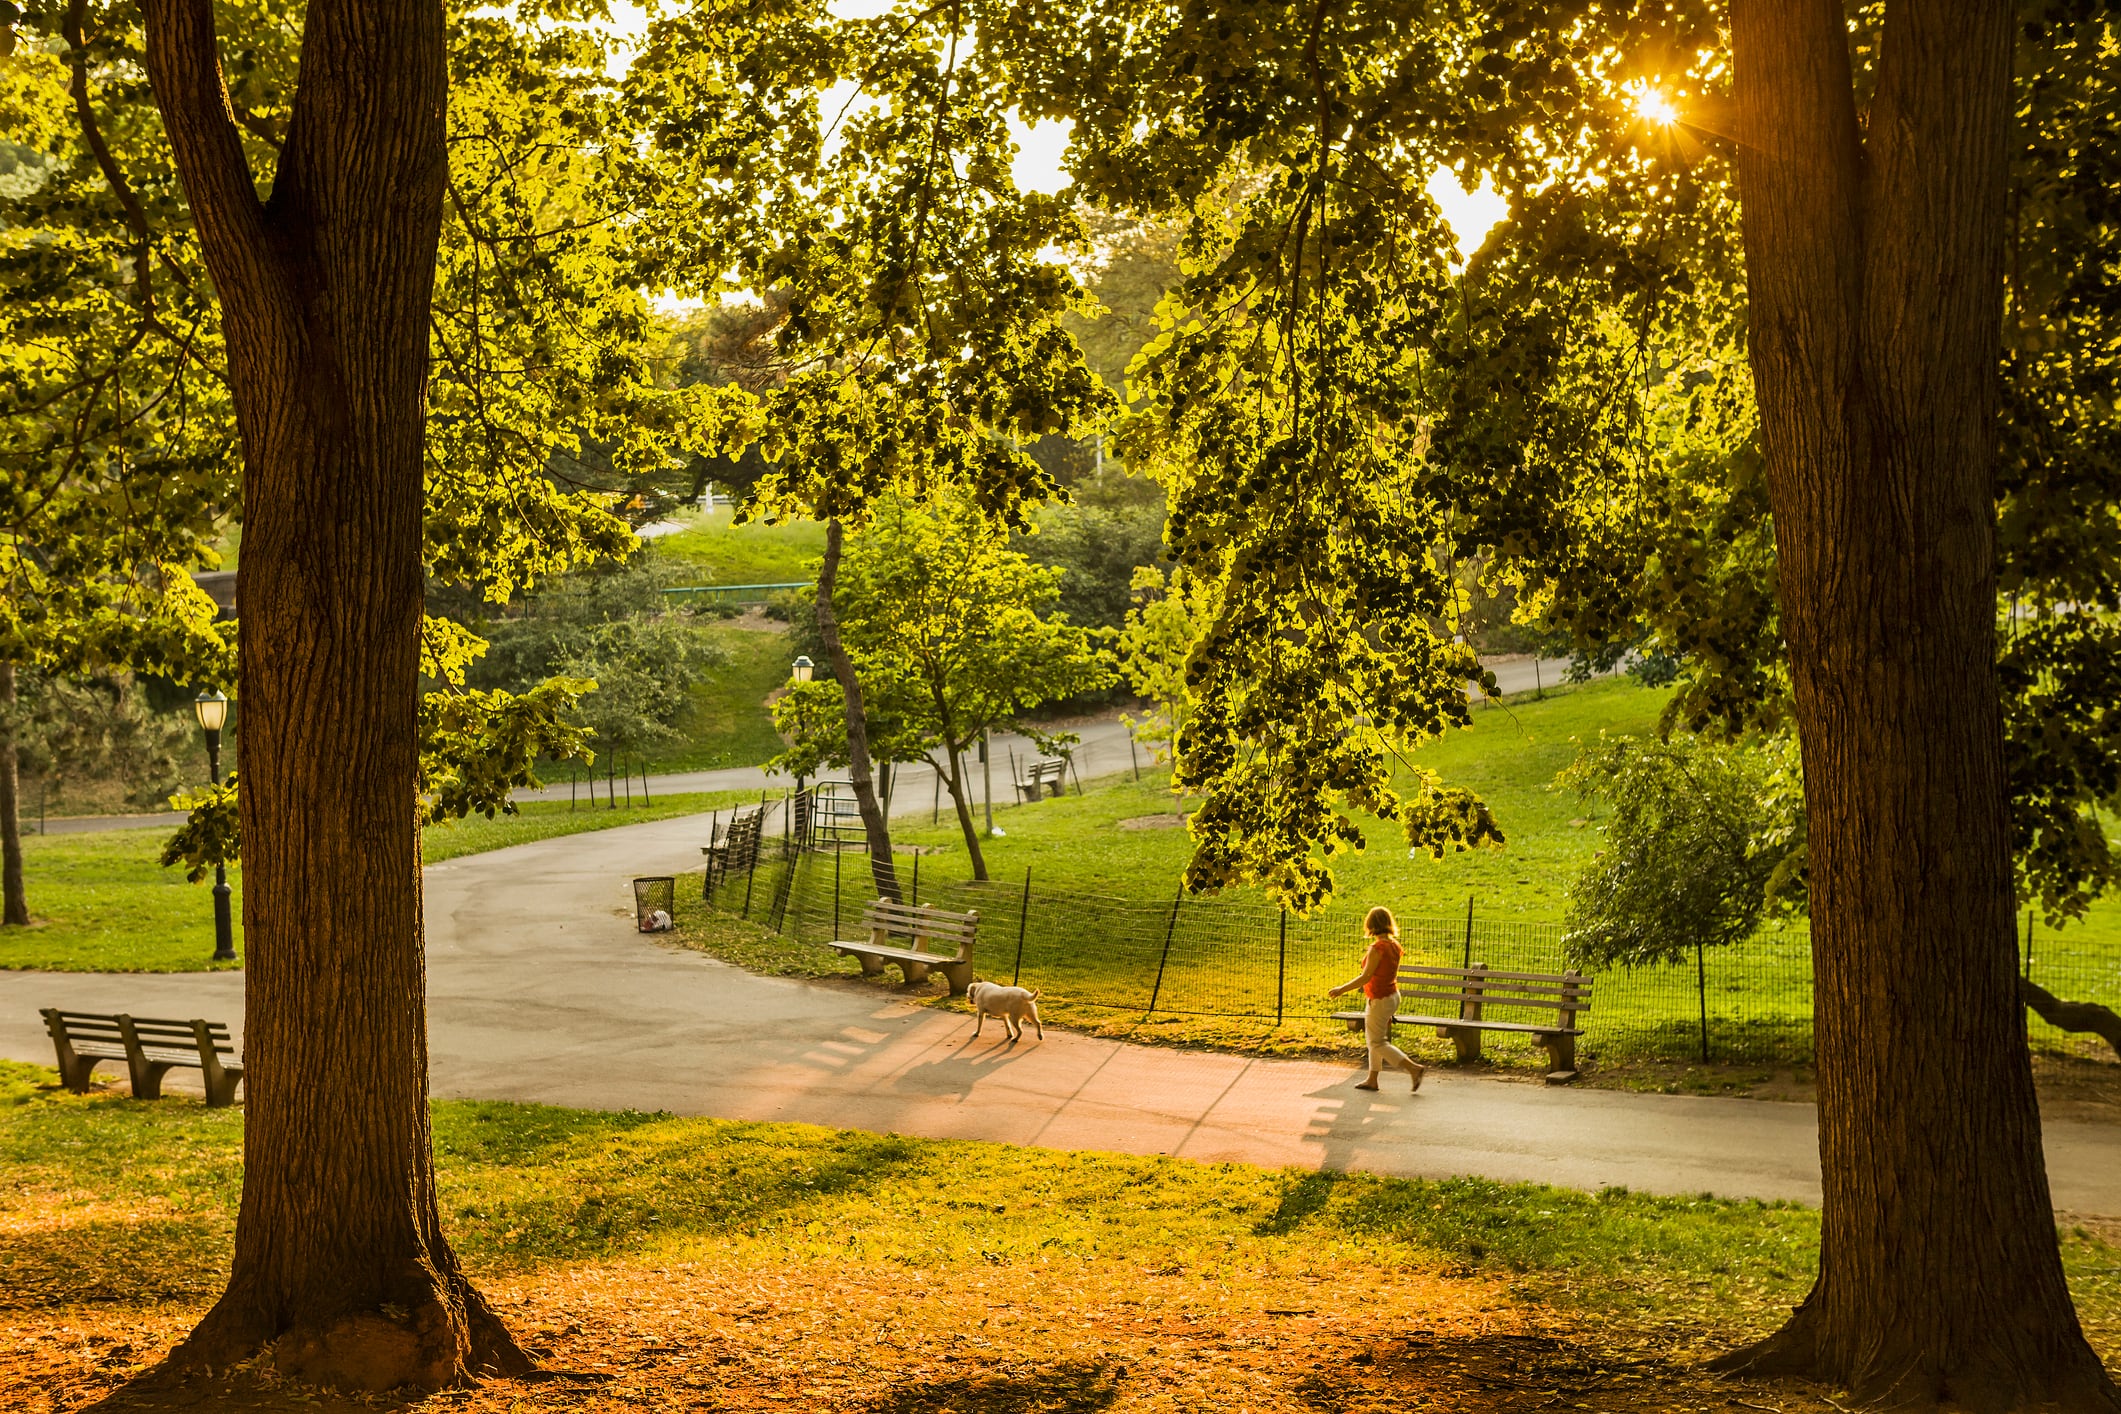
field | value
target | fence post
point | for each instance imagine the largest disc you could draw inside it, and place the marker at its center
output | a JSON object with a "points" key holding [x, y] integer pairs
{"points": [[836, 852], [714, 824], [916, 881], [1701, 983], [1169, 928], [1023, 919], [2028, 944], [1281, 963], [1469, 931], [751, 877]]}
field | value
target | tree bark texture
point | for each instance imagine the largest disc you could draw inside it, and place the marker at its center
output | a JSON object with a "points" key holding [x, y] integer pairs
{"points": [[1874, 252], [876, 829], [340, 1265], [14, 898]]}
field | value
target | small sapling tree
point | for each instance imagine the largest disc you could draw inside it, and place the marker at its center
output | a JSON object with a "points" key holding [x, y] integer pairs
{"points": [[951, 637]]}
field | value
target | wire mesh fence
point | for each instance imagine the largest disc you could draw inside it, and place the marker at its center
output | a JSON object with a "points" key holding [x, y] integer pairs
{"points": [[1243, 958]]}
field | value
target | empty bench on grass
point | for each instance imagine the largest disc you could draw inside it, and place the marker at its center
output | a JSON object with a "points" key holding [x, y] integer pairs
{"points": [[921, 925], [1479, 990], [149, 1047], [1042, 777]]}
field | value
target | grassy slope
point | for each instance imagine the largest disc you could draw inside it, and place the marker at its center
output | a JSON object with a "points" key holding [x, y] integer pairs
{"points": [[809, 1218], [728, 723], [105, 905], [1758, 995], [723, 553]]}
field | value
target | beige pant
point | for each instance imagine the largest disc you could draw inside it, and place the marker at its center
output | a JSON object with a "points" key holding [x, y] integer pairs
{"points": [[1377, 1029]]}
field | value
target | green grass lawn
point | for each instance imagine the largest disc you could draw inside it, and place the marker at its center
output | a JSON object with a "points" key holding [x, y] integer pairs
{"points": [[724, 553], [728, 723], [596, 1219], [103, 904], [1102, 892]]}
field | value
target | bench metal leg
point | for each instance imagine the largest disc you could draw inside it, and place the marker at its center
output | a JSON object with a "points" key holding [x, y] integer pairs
{"points": [[1466, 1039], [221, 1089], [1561, 1058], [77, 1073], [147, 1079]]}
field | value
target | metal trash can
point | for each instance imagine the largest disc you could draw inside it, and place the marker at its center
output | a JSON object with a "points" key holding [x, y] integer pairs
{"points": [[655, 903]]}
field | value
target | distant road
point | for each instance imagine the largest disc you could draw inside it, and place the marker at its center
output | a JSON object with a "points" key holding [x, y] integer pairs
{"points": [[1103, 752]]}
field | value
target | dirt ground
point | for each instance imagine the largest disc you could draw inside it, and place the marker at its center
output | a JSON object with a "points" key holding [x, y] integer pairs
{"points": [[625, 1338]]}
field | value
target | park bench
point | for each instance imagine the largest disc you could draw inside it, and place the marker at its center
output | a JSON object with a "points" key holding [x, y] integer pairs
{"points": [[1041, 777], [922, 925], [1478, 990], [732, 848], [149, 1047]]}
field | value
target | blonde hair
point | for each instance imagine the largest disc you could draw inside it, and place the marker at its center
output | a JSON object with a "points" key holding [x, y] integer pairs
{"points": [[1379, 923]]}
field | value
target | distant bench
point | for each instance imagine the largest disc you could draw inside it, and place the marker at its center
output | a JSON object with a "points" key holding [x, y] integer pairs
{"points": [[149, 1047], [1476, 990], [1041, 777], [886, 920]]}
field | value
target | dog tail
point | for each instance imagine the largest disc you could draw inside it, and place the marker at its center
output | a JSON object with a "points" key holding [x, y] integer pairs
{"points": [[1034, 996]]}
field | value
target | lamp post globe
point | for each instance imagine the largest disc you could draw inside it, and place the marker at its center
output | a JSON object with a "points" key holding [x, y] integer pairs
{"points": [[211, 708]]}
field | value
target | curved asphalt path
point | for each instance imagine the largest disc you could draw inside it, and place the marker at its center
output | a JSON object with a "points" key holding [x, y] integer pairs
{"points": [[540, 989]]}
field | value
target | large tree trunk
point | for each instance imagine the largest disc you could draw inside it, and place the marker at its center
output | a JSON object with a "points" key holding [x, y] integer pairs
{"points": [[1874, 253], [960, 799], [875, 828], [14, 900], [340, 1265]]}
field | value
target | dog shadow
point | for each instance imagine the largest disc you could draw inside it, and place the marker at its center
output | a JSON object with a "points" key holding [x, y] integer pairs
{"points": [[964, 1062]]}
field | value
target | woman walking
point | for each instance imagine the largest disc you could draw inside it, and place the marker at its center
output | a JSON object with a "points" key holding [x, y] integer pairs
{"points": [[1380, 984]]}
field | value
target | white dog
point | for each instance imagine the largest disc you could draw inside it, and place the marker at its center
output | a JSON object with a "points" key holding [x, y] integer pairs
{"points": [[1012, 1004]]}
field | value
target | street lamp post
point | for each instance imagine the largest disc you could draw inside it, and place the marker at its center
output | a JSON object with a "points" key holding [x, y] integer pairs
{"points": [[800, 672], [212, 709]]}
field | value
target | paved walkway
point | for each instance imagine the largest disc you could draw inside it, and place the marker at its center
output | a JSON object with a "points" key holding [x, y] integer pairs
{"points": [[542, 990]]}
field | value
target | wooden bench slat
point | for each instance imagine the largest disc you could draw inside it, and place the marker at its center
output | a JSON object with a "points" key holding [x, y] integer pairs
{"points": [[1461, 1023], [1425, 970], [1497, 999]]}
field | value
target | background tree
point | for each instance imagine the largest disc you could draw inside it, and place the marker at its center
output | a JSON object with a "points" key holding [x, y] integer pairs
{"points": [[920, 344], [1155, 645], [952, 637], [1684, 865]]}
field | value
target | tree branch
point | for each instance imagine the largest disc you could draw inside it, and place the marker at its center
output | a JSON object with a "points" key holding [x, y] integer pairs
{"points": [[2072, 1016], [184, 66]]}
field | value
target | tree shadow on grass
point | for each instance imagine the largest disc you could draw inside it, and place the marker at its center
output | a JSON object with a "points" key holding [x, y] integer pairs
{"points": [[1521, 1374], [1299, 1200], [1064, 1387]]}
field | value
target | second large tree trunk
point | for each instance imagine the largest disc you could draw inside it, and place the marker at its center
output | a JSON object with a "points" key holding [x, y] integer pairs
{"points": [[14, 898], [876, 828], [340, 1266], [1875, 277]]}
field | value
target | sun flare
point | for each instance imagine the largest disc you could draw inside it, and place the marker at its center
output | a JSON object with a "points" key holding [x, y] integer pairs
{"points": [[1651, 104]]}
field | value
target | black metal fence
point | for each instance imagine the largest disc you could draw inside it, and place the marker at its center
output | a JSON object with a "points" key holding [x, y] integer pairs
{"points": [[1241, 957]]}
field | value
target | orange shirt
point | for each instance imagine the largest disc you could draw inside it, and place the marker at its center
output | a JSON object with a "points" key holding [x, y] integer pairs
{"points": [[1383, 981]]}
